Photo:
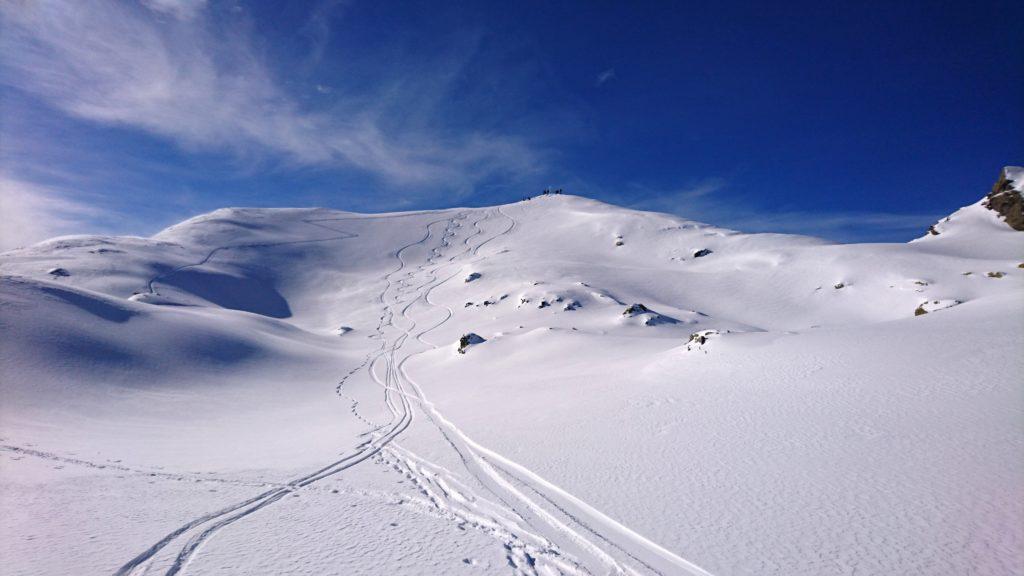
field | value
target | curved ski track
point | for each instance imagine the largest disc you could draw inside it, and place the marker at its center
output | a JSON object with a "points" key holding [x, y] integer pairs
{"points": [[557, 528]]}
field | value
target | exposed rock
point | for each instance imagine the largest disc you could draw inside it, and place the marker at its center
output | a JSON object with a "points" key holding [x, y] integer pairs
{"points": [[468, 340], [933, 305], [839, 286], [342, 330], [571, 305], [996, 274], [634, 309], [58, 272], [473, 276], [1005, 199], [702, 253], [699, 339], [648, 316]]}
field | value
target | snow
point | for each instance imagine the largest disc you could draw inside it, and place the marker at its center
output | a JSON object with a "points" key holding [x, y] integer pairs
{"points": [[1016, 174], [977, 231], [184, 403]]}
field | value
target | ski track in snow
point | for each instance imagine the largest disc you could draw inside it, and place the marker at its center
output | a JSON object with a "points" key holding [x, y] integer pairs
{"points": [[853, 410], [553, 530]]}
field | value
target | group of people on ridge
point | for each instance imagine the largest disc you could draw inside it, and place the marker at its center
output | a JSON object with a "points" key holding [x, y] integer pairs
{"points": [[545, 192]]}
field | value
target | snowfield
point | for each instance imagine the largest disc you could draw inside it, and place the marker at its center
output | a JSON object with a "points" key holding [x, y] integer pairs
{"points": [[281, 391]]}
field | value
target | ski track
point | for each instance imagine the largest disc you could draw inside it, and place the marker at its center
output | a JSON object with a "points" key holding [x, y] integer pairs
{"points": [[401, 411], [524, 526], [139, 565]]}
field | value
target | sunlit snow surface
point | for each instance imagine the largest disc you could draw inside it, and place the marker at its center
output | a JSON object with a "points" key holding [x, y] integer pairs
{"points": [[280, 391]]}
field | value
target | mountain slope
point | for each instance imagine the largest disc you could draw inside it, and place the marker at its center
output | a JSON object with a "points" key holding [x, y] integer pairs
{"points": [[986, 228], [260, 380]]}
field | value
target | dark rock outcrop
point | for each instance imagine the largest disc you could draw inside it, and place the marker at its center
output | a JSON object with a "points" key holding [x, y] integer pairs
{"points": [[1006, 201], [634, 309], [468, 340]]}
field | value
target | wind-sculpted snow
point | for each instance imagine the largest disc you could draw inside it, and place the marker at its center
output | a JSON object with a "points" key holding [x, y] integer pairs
{"points": [[187, 403]]}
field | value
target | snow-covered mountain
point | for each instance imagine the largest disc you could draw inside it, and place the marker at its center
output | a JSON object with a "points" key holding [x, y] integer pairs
{"points": [[553, 386]]}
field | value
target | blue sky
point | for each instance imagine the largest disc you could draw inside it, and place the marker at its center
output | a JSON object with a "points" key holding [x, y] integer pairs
{"points": [[854, 121]]}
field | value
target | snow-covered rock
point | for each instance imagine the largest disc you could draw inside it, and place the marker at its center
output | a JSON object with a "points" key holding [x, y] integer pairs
{"points": [[933, 305], [989, 228], [1005, 197]]}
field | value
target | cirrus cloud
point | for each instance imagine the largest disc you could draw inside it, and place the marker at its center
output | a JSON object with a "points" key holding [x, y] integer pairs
{"points": [[197, 80], [32, 213]]}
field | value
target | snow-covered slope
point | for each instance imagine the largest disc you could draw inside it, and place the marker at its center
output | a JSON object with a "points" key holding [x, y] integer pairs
{"points": [[282, 391], [990, 227]]}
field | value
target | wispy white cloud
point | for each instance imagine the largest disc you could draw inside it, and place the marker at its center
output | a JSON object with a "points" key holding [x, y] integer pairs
{"points": [[202, 84], [181, 9], [30, 213], [711, 200], [318, 28], [605, 76]]}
